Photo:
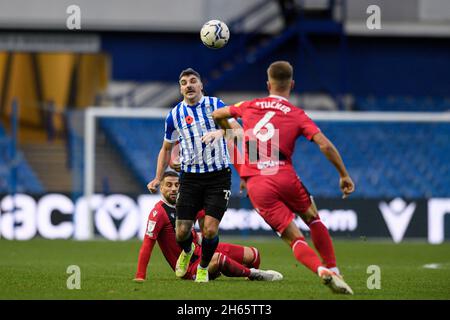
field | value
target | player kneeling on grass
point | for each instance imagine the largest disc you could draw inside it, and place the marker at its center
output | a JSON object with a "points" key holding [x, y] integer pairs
{"points": [[229, 259]]}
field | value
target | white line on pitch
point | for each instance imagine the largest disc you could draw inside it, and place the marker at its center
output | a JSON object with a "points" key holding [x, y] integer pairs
{"points": [[432, 266]]}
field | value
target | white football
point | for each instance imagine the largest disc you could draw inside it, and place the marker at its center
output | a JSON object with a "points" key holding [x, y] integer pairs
{"points": [[215, 34]]}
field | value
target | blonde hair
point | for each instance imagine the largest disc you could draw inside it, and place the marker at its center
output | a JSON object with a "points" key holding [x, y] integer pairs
{"points": [[280, 74]]}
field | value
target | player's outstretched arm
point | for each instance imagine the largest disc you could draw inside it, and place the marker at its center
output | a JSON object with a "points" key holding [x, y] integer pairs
{"points": [[221, 114], [144, 257], [221, 117], [163, 162], [329, 150], [230, 128]]}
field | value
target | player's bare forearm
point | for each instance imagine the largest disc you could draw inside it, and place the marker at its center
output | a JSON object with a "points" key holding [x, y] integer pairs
{"points": [[331, 153], [163, 162], [232, 128], [163, 159], [222, 113], [223, 123], [329, 150], [335, 158]]}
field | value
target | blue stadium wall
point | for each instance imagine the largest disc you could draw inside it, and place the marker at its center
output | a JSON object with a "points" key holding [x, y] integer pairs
{"points": [[376, 65]]}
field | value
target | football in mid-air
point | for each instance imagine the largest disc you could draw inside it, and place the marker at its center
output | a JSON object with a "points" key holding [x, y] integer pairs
{"points": [[215, 34]]}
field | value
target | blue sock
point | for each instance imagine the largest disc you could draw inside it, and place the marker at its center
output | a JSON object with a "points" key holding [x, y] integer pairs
{"points": [[186, 244], [209, 246]]}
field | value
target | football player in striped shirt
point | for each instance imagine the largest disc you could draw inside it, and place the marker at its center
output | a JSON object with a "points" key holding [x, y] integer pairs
{"points": [[205, 179]]}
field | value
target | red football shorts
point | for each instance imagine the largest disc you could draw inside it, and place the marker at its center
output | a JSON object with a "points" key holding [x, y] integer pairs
{"points": [[277, 197]]}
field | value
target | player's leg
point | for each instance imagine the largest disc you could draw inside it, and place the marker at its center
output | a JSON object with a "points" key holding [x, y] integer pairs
{"points": [[216, 195], [213, 267], [210, 241], [183, 233], [210, 238], [185, 241], [306, 255], [252, 258], [248, 256], [264, 195], [300, 248], [222, 264], [189, 202], [299, 200], [320, 236]]}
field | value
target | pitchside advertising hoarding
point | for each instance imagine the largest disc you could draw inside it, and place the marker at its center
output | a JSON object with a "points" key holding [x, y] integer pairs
{"points": [[123, 217]]}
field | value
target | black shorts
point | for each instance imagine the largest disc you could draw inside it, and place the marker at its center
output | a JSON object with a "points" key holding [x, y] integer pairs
{"points": [[210, 191]]}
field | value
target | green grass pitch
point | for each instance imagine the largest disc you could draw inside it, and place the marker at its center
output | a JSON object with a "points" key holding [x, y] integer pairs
{"points": [[37, 270]]}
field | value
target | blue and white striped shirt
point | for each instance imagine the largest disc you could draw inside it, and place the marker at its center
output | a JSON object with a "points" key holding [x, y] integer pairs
{"points": [[188, 124]]}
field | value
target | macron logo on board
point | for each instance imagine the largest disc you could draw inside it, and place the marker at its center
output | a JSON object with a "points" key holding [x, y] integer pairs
{"points": [[397, 215]]}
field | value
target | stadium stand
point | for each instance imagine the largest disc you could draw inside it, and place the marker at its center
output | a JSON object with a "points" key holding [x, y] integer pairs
{"points": [[26, 180], [376, 154], [402, 103], [380, 161]]}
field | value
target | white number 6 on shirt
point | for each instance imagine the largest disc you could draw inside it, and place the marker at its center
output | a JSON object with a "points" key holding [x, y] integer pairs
{"points": [[264, 123]]}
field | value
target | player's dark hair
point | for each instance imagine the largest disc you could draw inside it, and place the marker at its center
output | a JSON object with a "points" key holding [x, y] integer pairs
{"points": [[281, 72], [188, 72], [169, 174]]}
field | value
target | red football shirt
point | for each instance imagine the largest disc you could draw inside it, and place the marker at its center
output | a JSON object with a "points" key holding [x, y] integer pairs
{"points": [[271, 126], [161, 228]]}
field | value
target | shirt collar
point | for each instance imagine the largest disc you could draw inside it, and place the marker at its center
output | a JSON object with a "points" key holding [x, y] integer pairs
{"points": [[277, 97], [164, 200], [196, 105]]}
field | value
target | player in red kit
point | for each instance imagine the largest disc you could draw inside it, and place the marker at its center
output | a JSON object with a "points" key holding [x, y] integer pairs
{"points": [[271, 128], [229, 259]]}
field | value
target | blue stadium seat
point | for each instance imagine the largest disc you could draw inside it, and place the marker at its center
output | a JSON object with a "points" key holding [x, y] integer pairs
{"points": [[402, 103], [26, 180]]}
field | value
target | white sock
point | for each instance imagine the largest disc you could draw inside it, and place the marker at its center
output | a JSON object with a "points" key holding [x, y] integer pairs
{"points": [[335, 270], [319, 269]]}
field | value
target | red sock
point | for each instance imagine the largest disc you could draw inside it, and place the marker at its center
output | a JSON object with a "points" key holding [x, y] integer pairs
{"points": [[256, 258], [322, 241], [304, 254], [231, 268]]}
